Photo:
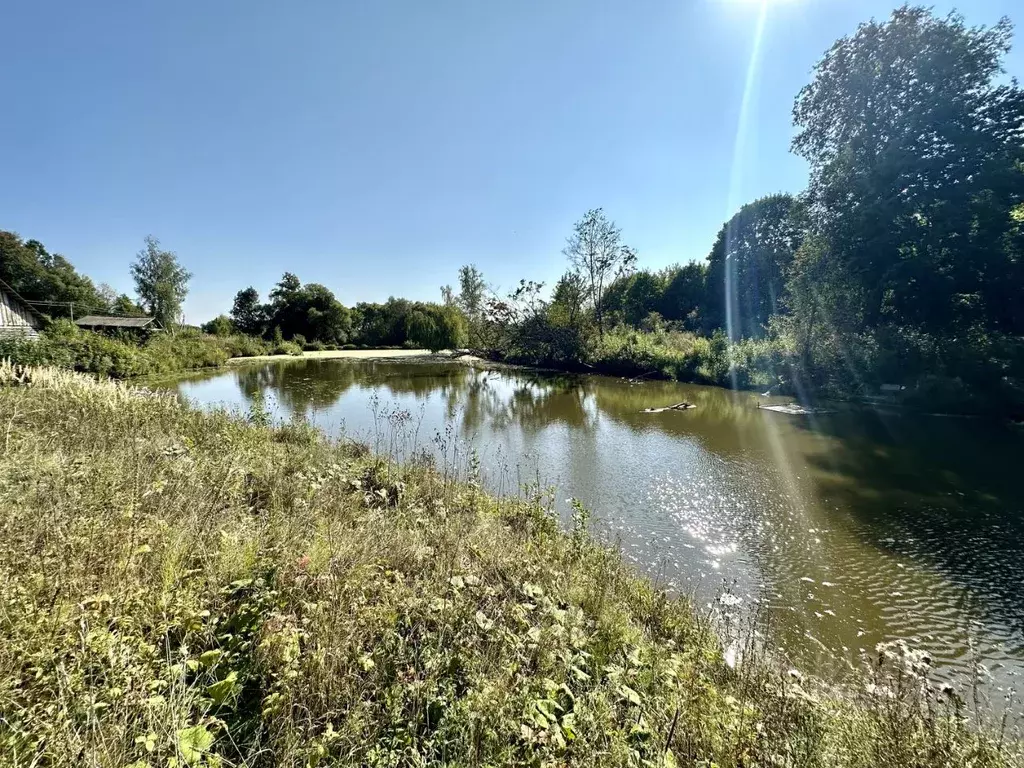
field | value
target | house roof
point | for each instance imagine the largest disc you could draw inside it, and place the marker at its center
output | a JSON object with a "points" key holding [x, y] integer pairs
{"points": [[8, 290], [106, 321]]}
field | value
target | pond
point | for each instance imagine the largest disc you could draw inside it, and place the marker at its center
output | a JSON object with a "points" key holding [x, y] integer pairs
{"points": [[850, 528]]}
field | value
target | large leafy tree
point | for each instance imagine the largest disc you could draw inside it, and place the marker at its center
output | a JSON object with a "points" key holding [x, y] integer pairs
{"points": [[915, 149], [635, 296], [248, 313], [748, 264], [683, 298], [160, 282], [40, 276], [435, 327], [310, 310]]}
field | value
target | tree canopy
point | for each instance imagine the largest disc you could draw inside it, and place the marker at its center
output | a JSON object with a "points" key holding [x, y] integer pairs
{"points": [[50, 279], [160, 282]]}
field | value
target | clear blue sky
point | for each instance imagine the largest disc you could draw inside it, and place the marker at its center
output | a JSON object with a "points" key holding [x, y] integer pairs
{"points": [[376, 146]]}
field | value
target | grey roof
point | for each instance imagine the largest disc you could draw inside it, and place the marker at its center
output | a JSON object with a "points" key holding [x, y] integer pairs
{"points": [[92, 321]]}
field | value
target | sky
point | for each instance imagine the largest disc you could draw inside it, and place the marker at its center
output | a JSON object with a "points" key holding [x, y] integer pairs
{"points": [[376, 146]]}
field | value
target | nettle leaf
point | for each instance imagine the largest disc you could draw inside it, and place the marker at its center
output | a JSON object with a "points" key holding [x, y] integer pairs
{"points": [[210, 658], [193, 743], [569, 726], [224, 690]]}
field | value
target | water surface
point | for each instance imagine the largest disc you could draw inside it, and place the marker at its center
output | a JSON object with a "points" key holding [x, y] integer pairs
{"points": [[851, 528]]}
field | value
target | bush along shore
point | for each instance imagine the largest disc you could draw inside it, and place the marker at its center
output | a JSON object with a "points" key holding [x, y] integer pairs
{"points": [[183, 588], [64, 345]]}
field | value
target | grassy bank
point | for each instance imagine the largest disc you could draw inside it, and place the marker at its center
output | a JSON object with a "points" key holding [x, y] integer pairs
{"points": [[64, 345], [181, 588], [661, 354], [981, 374]]}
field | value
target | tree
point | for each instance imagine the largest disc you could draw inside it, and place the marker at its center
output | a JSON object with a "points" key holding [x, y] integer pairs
{"points": [[472, 292], [285, 290], [635, 296], [248, 314], [160, 282], [123, 306], [748, 264], [915, 150], [447, 295], [310, 311], [219, 326], [50, 279], [108, 295], [595, 252], [684, 297], [569, 327], [435, 327]]}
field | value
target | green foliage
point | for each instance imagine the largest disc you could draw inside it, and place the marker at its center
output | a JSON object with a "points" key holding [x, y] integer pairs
{"points": [[402, 323], [248, 314], [678, 294], [161, 282], [184, 350], [903, 262], [634, 297], [596, 253], [285, 348], [472, 301], [240, 345], [79, 350], [64, 345], [749, 264], [435, 327], [38, 275], [915, 152], [221, 325], [308, 311], [185, 588]]}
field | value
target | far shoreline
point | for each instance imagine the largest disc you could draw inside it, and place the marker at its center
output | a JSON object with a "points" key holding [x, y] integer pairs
{"points": [[331, 354]]}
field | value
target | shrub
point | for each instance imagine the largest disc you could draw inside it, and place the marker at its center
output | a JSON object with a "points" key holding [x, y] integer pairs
{"points": [[184, 350], [241, 345], [80, 351], [64, 345], [286, 348]]}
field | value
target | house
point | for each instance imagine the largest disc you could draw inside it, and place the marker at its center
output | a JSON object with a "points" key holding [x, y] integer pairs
{"points": [[110, 323], [17, 318]]}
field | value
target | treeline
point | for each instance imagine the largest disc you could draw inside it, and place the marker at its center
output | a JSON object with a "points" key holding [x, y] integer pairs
{"points": [[312, 317], [902, 263], [52, 284]]}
